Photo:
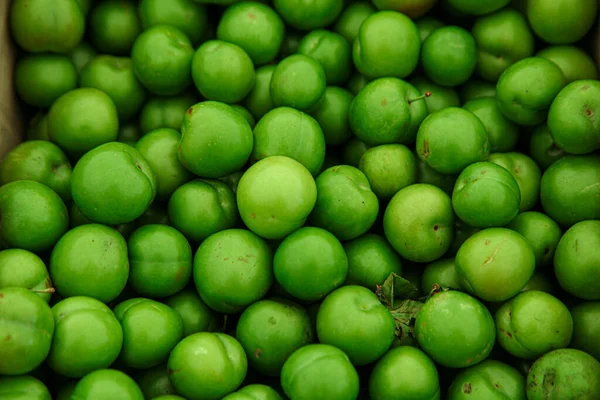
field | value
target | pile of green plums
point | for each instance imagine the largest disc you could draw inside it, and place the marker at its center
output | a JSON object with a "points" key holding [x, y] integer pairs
{"points": [[302, 199]]}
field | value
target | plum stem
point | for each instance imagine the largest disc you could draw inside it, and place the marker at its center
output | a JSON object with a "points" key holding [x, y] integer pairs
{"points": [[48, 290], [426, 94]]}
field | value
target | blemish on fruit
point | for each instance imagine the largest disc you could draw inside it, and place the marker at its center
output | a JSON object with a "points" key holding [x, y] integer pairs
{"points": [[258, 352], [467, 388]]}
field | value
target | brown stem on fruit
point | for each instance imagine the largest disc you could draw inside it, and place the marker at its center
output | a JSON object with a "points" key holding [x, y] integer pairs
{"points": [[427, 94], [47, 290]]}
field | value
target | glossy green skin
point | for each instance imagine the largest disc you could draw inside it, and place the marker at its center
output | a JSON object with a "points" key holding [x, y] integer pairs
{"points": [[37, 128], [222, 71], [491, 380], [576, 260], [527, 88], [418, 222], [270, 331], [162, 58], [475, 89], [333, 115], [486, 195], [285, 131], [541, 232], [349, 22], [82, 119], [246, 114], [532, 324], [90, 260], [503, 38], [441, 96], [569, 190], [259, 101], [154, 382], [202, 207], [449, 56], [160, 148], [426, 174], [389, 168], [33, 216], [254, 392], [107, 384], [572, 117], [81, 55], [503, 134], [233, 269], [495, 264], [115, 77], [542, 147], [442, 273], [307, 15], [165, 112], [150, 331], [47, 25], [574, 62], [298, 81], [207, 366], [475, 7], [114, 26], [342, 320], [161, 261], [39, 161], [586, 328], [527, 174], [24, 269], [352, 151], [40, 79], [275, 196], [216, 140], [27, 327], [387, 45], [23, 388], [255, 27], [455, 329], [404, 373], [452, 139], [310, 263], [564, 373], [87, 337], [561, 21], [427, 25], [412, 8], [332, 51], [195, 314], [382, 112], [357, 213], [113, 184], [186, 15], [319, 370], [371, 260]]}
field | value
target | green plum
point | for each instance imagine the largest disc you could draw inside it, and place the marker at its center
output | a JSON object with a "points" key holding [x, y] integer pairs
{"points": [[165, 112], [573, 61], [442, 273], [154, 382], [476, 7], [81, 55], [114, 26], [332, 51], [389, 168], [349, 22], [542, 233], [246, 114], [586, 328], [332, 115], [254, 392], [371, 260], [502, 132], [24, 269], [440, 96], [186, 15], [107, 384], [491, 380], [308, 15], [195, 314], [298, 81], [427, 25], [24, 387], [527, 174], [542, 147], [561, 21], [259, 100]]}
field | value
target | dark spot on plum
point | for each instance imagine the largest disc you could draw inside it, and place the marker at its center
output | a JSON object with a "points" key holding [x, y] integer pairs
{"points": [[253, 215], [588, 112], [509, 334], [272, 321], [7, 338], [189, 111], [486, 242], [384, 102], [257, 353], [426, 151], [172, 371], [251, 16], [495, 384], [226, 258], [179, 274], [436, 227], [467, 388], [1, 295], [242, 259], [483, 172]]}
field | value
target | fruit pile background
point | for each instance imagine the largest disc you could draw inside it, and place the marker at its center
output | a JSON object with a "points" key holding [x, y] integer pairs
{"points": [[303, 199]]}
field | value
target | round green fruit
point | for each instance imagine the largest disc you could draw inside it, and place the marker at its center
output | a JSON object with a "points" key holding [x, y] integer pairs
{"points": [[586, 328], [561, 21], [24, 269], [107, 384], [371, 260], [491, 380], [113, 26], [186, 15], [307, 15], [23, 387], [541, 232], [298, 81]]}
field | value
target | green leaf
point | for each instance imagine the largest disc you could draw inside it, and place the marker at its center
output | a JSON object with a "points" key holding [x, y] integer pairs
{"points": [[404, 318], [396, 287]]}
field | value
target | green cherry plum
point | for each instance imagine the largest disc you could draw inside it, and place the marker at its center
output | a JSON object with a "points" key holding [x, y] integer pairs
{"points": [[542, 147], [107, 384], [502, 132], [285, 131], [532, 324], [442, 273], [569, 190], [82, 119], [371, 260], [542, 233], [404, 373], [202, 207], [24, 387], [40, 161], [195, 314], [586, 328], [254, 391], [491, 379], [427, 25], [162, 59], [350, 20], [346, 206], [270, 331], [387, 45], [475, 7], [207, 366], [259, 101], [113, 184], [113, 26], [275, 196], [82, 54], [154, 382], [216, 140], [222, 71], [27, 326], [561, 21], [332, 115], [87, 337], [576, 260], [332, 51], [389, 168], [527, 174], [33, 216], [353, 319], [188, 16], [452, 139], [495, 264], [307, 15], [233, 269], [24, 269], [440, 96], [319, 370], [310, 263], [412, 8], [418, 222], [573, 61], [298, 81], [486, 195], [165, 112], [527, 88], [150, 331], [247, 114]]}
